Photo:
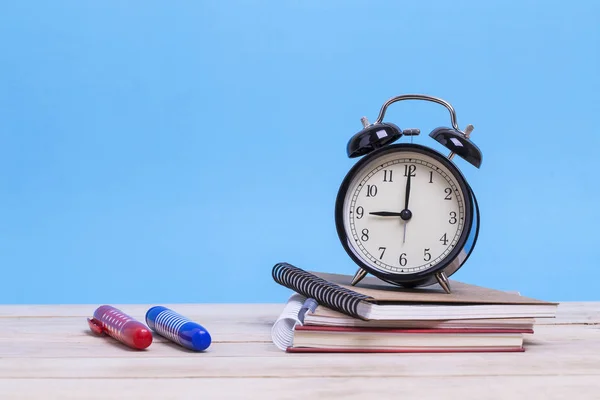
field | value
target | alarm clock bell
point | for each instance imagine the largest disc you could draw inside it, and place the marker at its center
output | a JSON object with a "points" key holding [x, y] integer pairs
{"points": [[372, 137], [458, 143], [379, 134]]}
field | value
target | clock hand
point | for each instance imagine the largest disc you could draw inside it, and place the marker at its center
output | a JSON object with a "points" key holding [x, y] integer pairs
{"points": [[407, 196], [386, 213], [406, 214]]}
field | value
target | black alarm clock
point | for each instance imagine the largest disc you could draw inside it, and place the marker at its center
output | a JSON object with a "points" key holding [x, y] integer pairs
{"points": [[404, 212]]}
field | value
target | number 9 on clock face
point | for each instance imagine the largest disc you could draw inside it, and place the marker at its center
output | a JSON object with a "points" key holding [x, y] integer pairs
{"points": [[404, 212]]}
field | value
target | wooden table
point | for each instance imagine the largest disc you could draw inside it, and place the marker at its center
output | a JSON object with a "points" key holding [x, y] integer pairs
{"points": [[47, 352]]}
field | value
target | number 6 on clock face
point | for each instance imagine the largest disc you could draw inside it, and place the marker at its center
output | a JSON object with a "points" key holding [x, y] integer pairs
{"points": [[404, 212]]}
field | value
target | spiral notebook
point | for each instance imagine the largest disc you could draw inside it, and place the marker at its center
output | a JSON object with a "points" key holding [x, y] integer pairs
{"points": [[373, 299]]}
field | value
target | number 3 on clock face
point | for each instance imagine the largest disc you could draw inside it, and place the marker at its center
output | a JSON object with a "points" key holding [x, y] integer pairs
{"points": [[404, 212]]}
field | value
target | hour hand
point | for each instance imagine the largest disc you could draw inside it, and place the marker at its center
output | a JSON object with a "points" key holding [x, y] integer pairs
{"points": [[386, 213]]}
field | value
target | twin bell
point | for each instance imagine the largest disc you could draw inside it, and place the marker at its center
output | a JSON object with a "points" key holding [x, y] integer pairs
{"points": [[379, 134]]}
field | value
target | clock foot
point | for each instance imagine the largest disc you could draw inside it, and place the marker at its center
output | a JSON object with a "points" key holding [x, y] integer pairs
{"points": [[443, 281], [360, 274]]}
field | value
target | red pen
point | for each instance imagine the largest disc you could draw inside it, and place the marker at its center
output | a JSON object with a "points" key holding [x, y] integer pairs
{"points": [[120, 326]]}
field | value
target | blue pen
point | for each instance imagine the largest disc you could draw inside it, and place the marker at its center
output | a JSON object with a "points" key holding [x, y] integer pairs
{"points": [[178, 328]]}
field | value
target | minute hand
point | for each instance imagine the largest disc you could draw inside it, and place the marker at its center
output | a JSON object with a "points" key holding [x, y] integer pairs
{"points": [[407, 192], [406, 214]]}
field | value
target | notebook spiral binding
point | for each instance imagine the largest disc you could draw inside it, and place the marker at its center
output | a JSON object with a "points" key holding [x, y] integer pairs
{"points": [[326, 293]]}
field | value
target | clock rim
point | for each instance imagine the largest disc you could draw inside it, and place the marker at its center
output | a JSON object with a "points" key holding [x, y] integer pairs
{"points": [[420, 276]]}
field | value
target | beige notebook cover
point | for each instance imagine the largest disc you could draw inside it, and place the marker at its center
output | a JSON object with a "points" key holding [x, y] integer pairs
{"points": [[382, 292]]}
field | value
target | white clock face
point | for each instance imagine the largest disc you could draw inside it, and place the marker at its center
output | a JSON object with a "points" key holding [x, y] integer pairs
{"points": [[399, 238]]}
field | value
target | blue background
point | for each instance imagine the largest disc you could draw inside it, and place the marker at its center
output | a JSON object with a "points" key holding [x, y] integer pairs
{"points": [[175, 151]]}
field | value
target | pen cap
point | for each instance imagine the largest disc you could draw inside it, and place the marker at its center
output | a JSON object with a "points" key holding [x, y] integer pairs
{"points": [[122, 327], [178, 328]]}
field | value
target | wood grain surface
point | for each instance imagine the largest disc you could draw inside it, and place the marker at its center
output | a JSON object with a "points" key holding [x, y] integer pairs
{"points": [[47, 352]]}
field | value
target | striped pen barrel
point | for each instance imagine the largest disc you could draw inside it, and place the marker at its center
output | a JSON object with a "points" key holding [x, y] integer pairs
{"points": [[178, 328], [120, 326]]}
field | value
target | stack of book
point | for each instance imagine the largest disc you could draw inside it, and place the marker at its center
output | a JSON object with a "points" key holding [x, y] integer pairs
{"points": [[327, 314]]}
